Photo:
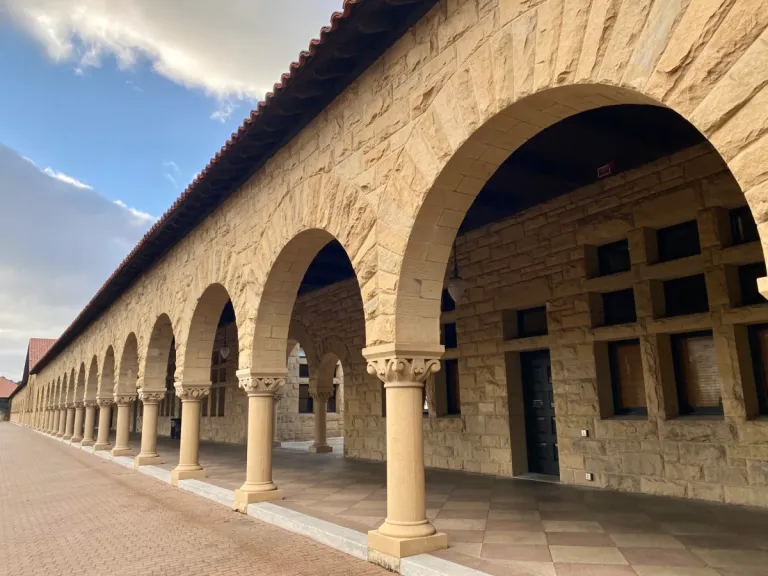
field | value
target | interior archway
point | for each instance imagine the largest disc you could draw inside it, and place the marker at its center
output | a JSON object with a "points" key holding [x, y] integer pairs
{"points": [[128, 369], [107, 376], [92, 383]]}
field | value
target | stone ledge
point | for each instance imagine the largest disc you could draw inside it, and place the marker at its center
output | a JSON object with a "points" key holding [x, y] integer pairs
{"points": [[209, 491], [123, 461], [156, 472], [428, 565], [340, 538]]}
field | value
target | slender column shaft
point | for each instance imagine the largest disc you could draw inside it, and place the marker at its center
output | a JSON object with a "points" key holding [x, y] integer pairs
{"points": [[69, 424], [258, 485], [61, 419], [148, 454], [320, 410], [77, 431], [189, 449], [49, 427], [123, 421], [406, 530], [90, 420], [105, 412]]}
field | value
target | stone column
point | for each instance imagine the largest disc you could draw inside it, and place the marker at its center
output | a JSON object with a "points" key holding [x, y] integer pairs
{"points": [[77, 431], [69, 422], [258, 485], [148, 454], [61, 420], [189, 446], [90, 420], [320, 409], [105, 411], [49, 421], [406, 530], [275, 436], [123, 422]]}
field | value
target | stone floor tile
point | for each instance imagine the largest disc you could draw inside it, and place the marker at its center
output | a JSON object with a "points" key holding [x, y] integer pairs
{"points": [[674, 571], [566, 569], [629, 540], [718, 558], [586, 555], [571, 526], [661, 557], [579, 539], [514, 537], [467, 514], [530, 553]]}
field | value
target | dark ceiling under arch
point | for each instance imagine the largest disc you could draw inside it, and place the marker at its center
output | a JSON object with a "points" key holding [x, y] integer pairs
{"points": [[558, 160]]}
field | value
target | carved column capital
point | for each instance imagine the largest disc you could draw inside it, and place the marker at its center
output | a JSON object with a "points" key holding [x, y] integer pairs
{"points": [[256, 384], [89, 403], [70, 405], [192, 392], [104, 402], [321, 395], [124, 399], [402, 368], [151, 396], [77, 404]]}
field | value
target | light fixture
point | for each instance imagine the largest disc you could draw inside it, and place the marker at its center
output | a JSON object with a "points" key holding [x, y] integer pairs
{"points": [[224, 350], [456, 284]]}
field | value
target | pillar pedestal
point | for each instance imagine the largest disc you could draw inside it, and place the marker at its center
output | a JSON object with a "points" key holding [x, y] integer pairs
{"points": [[320, 409], [406, 530], [77, 431], [148, 454], [105, 411], [123, 416], [189, 467], [258, 485], [61, 422], [90, 420]]}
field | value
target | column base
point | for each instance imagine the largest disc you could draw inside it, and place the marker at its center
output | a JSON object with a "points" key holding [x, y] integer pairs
{"points": [[177, 475], [122, 452], [75, 440], [243, 498], [66, 438], [104, 446], [88, 442], [387, 551], [146, 460], [320, 449], [59, 435]]}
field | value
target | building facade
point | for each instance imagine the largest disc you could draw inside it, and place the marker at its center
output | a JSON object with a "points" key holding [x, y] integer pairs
{"points": [[608, 327]]}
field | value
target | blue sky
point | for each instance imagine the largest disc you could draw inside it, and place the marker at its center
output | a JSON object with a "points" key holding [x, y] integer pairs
{"points": [[109, 111]]}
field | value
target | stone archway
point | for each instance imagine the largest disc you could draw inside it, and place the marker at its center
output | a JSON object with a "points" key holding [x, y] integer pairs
{"points": [[104, 398], [125, 393]]}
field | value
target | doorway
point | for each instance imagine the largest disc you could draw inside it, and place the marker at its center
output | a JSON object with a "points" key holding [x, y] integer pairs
{"points": [[539, 402]]}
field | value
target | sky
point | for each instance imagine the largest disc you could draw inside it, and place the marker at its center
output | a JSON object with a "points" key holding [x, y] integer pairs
{"points": [[108, 109]]}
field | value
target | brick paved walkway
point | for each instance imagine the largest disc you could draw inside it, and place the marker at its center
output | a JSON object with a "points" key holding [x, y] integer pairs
{"points": [[64, 512]]}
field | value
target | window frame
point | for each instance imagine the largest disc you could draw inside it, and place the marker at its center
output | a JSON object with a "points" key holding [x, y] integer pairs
{"points": [[666, 241], [684, 407], [618, 408]]}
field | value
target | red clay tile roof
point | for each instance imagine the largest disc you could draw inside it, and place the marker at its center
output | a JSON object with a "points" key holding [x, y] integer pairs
{"points": [[37, 349], [6, 387], [378, 23]]}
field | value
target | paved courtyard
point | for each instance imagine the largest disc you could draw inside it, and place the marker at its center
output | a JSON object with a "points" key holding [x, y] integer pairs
{"points": [[65, 512], [520, 527]]}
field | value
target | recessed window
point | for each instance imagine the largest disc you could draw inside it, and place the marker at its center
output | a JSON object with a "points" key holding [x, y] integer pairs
{"points": [[452, 395], [532, 322], [446, 302], [627, 378], [696, 375], [448, 336], [305, 400], [687, 295], [748, 275], [758, 340], [619, 307], [303, 370], [743, 226], [678, 241], [331, 408], [613, 258]]}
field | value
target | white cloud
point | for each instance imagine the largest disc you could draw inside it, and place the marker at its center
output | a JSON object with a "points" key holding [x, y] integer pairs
{"points": [[140, 218], [171, 172], [234, 50], [64, 178], [51, 271]]}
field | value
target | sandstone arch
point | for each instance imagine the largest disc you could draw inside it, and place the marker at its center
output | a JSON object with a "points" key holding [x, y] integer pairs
{"points": [[107, 375], [540, 66], [322, 209], [128, 369], [92, 382], [198, 345], [157, 354]]}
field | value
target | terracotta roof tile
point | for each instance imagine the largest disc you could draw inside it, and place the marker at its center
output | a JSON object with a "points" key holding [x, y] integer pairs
{"points": [[6, 387], [37, 349]]}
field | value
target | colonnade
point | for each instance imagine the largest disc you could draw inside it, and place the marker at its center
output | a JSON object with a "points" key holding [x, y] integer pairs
{"points": [[406, 530]]}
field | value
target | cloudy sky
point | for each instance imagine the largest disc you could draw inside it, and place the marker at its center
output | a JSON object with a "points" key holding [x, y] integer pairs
{"points": [[109, 109]]}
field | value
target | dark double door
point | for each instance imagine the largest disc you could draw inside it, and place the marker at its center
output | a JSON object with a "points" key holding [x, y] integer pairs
{"points": [[540, 428]]}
